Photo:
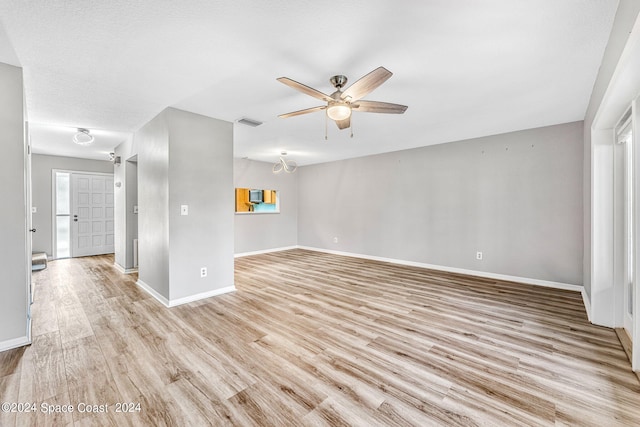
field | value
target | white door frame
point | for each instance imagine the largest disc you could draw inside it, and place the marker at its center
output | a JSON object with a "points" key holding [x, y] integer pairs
{"points": [[606, 296], [624, 222], [54, 237], [630, 224], [29, 245]]}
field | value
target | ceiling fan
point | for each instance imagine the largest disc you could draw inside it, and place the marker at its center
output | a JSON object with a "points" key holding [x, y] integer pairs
{"points": [[341, 103]]}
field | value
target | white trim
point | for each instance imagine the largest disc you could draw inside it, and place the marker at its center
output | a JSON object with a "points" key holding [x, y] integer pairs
{"points": [[202, 295], [14, 343], [123, 270], [70, 171], [525, 280], [173, 303], [257, 213], [265, 251], [54, 208], [28, 197], [153, 292], [622, 90], [587, 303]]}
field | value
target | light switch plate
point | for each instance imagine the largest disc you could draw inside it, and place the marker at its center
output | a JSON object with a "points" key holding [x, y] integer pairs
{"points": [[184, 209]]}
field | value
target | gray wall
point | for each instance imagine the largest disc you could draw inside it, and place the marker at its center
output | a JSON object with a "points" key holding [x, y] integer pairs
{"points": [[42, 197], [200, 176], [516, 197], [13, 215], [625, 19], [258, 232], [152, 142], [182, 159]]}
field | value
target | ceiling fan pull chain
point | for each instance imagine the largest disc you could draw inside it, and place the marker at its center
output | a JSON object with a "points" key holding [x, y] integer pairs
{"points": [[351, 127], [326, 127]]}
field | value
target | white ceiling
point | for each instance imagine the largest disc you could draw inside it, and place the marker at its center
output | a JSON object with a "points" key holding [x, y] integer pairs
{"points": [[466, 68]]}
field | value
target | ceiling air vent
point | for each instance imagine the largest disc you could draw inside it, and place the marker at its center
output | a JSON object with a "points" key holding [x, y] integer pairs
{"points": [[249, 122]]}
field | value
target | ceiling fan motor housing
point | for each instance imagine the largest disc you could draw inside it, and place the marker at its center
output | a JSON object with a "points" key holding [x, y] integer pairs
{"points": [[338, 81]]}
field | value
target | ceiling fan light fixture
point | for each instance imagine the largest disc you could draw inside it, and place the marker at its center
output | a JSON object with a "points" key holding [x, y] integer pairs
{"points": [[83, 137], [339, 111]]}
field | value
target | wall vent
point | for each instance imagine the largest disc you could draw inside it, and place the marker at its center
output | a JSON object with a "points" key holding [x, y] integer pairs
{"points": [[250, 122]]}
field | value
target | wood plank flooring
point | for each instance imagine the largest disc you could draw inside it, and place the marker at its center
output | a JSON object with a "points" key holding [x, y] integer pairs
{"points": [[320, 340]]}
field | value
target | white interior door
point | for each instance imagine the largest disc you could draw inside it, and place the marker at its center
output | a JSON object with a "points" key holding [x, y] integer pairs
{"points": [[92, 227]]}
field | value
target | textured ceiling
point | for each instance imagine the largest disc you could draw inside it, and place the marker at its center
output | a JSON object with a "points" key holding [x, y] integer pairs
{"points": [[466, 68]]}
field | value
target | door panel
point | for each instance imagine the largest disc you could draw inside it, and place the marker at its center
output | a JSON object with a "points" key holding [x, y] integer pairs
{"points": [[92, 207]]}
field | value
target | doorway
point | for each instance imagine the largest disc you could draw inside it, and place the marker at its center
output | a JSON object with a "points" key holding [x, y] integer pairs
{"points": [[83, 220]]}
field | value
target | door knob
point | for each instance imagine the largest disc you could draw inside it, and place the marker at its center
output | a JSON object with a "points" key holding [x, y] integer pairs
{"points": [[33, 230]]}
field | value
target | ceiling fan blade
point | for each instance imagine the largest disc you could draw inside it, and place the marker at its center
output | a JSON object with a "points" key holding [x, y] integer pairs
{"points": [[378, 107], [343, 124], [366, 84], [300, 112], [305, 89]]}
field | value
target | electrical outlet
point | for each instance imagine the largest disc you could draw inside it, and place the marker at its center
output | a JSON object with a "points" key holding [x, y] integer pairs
{"points": [[335, 240], [203, 272], [184, 209], [479, 255]]}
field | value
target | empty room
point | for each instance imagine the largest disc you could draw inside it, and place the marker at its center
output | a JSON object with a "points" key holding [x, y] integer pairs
{"points": [[245, 213]]}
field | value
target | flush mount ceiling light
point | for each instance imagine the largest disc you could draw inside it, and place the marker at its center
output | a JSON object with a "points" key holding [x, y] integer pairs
{"points": [[83, 137], [288, 166]]}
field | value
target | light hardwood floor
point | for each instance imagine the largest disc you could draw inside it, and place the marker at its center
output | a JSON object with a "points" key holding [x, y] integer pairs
{"points": [[317, 339]]}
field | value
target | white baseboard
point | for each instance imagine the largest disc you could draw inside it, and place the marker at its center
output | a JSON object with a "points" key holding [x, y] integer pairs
{"points": [[153, 292], [14, 343], [525, 280], [123, 270], [587, 303], [264, 251], [203, 295], [191, 298]]}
